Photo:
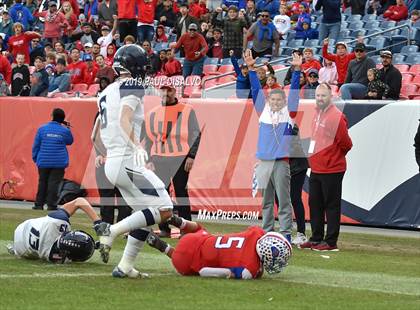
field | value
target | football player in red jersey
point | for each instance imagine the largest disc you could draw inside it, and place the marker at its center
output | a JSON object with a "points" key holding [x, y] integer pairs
{"points": [[241, 255]]}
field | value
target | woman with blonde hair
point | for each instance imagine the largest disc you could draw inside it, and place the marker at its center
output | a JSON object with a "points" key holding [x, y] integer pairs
{"points": [[71, 18]]}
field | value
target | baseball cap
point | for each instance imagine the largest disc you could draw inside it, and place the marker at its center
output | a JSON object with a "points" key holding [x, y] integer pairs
{"points": [[192, 27], [88, 44], [341, 43], [52, 3], [50, 66], [386, 54], [87, 57], [360, 46], [233, 8], [313, 72]]}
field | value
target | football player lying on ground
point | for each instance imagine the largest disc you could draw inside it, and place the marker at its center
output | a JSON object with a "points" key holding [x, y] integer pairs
{"points": [[241, 255], [50, 237]]}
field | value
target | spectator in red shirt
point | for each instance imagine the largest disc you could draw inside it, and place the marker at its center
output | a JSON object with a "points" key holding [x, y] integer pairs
{"points": [[310, 61], [127, 18], [110, 52], [195, 48], [271, 84], [71, 18], [146, 16], [397, 12], [91, 70], [104, 70], [341, 59], [215, 44], [197, 8], [19, 43], [172, 66], [160, 36], [76, 68], [54, 22], [5, 69]]}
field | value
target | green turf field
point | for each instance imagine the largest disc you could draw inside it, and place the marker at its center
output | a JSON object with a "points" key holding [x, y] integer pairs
{"points": [[370, 272]]}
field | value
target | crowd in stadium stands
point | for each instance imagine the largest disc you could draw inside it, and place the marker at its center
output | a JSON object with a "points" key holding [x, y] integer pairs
{"points": [[50, 49]]}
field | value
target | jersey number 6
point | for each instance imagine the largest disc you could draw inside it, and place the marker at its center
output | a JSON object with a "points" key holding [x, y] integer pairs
{"points": [[102, 111], [229, 242]]}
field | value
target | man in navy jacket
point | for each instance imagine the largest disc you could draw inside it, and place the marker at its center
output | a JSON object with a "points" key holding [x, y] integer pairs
{"points": [[49, 152]]}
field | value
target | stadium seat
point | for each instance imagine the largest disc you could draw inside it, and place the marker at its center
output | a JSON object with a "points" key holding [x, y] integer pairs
{"points": [[226, 61], [391, 33], [210, 69], [377, 59], [413, 59], [408, 49], [372, 24], [287, 51], [373, 31], [344, 25], [402, 68], [60, 95], [409, 90], [386, 24], [415, 69], [225, 68], [416, 80], [161, 46], [211, 61], [378, 43], [357, 25], [354, 18], [93, 90], [369, 17], [181, 60], [79, 87], [379, 66], [347, 11], [398, 59], [209, 82], [225, 79], [344, 34], [397, 43], [311, 43], [296, 43], [283, 43], [357, 33], [278, 67], [189, 90], [407, 77]]}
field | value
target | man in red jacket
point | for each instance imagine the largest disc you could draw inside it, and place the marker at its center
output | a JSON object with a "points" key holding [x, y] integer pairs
{"points": [[330, 142], [397, 12], [195, 48], [145, 16]]}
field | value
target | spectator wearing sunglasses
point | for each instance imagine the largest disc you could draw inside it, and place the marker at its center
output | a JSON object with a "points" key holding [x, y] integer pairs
{"points": [[264, 35], [356, 82]]}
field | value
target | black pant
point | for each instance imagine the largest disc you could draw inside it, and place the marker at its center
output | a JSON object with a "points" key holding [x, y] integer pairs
{"points": [[268, 51], [296, 185], [111, 198], [127, 27], [236, 51], [172, 168], [48, 182], [325, 200]]}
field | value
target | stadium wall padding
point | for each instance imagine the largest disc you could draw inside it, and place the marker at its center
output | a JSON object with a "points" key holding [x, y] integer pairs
{"points": [[381, 186]]}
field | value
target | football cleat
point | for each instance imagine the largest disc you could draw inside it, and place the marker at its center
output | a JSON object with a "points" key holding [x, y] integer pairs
{"points": [[10, 249], [132, 274], [104, 251], [176, 221], [154, 241]]}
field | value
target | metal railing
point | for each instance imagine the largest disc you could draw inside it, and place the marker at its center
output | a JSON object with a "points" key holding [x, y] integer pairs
{"points": [[286, 58]]}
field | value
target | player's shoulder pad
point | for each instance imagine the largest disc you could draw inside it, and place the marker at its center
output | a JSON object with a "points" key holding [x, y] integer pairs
{"points": [[132, 87], [60, 214]]}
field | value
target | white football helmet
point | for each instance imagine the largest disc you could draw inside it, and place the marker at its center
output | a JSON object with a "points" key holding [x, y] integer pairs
{"points": [[274, 251]]}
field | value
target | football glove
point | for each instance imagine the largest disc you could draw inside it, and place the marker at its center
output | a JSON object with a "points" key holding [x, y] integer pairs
{"points": [[140, 157]]}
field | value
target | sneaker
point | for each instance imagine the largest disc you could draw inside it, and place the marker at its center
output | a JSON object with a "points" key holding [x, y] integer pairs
{"points": [[323, 247], [299, 239], [132, 274], [105, 240], [307, 245], [52, 208], [37, 208]]}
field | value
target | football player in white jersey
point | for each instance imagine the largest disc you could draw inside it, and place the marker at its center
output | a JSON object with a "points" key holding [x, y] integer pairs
{"points": [[50, 237], [118, 131]]}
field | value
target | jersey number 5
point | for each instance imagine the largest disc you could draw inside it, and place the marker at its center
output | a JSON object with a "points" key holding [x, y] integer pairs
{"points": [[102, 111], [34, 239], [229, 242]]}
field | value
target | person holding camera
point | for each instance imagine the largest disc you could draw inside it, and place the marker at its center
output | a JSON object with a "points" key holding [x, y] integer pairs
{"points": [[49, 152]]}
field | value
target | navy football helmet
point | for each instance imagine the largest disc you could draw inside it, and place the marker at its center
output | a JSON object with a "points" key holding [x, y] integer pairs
{"points": [[131, 59], [78, 246]]}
